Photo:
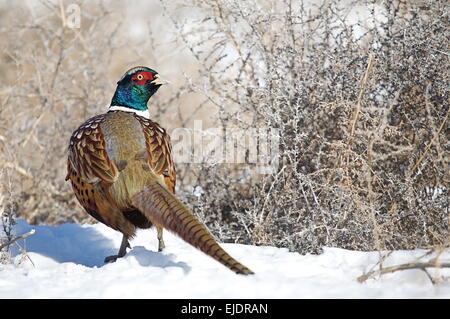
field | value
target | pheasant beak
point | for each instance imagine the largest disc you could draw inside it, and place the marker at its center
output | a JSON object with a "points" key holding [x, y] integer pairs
{"points": [[159, 81]]}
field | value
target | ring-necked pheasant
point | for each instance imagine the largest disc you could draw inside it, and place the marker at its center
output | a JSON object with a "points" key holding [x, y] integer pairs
{"points": [[121, 169]]}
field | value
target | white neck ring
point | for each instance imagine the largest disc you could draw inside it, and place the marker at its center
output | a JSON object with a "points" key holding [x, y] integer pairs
{"points": [[144, 113]]}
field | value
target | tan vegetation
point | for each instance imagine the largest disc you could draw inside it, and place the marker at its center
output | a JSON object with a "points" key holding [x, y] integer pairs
{"points": [[359, 93]]}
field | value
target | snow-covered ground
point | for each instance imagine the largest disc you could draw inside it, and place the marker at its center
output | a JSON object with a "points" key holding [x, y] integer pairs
{"points": [[68, 263]]}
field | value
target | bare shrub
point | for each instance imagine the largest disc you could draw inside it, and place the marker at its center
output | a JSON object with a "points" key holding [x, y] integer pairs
{"points": [[358, 91], [7, 213], [54, 77], [362, 108]]}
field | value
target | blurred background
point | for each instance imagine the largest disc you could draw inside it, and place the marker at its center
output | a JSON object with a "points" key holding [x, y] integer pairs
{"points": [[358, 91]]}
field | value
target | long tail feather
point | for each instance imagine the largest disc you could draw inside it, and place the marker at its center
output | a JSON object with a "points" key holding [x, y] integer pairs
{"points": [[164, 209]]}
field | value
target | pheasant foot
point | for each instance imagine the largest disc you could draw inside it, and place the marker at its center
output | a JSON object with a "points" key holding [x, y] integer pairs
{"points": [[122, 251]]}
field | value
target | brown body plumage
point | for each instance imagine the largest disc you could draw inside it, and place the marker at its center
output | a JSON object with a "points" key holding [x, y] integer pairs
{"points": [[121, 169]]}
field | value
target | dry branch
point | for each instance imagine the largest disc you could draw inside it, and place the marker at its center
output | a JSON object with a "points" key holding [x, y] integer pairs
{"points": [[417, 265], [427, 148], [17, 168], [361, 93], [16, 238]]}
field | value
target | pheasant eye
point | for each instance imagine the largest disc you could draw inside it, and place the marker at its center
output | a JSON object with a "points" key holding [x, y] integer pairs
{"points": [[139, 77]]}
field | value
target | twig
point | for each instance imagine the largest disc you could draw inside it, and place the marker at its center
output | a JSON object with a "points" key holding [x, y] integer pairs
{"points": [[24, 254], [427, 148], [361, 93], [418, 265], [275, 180], [31, 132], [16, 238], [16, 167]]}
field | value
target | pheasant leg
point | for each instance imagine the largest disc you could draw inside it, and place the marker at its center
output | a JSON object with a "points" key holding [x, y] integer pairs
{"points": [[122, 250], [161, 244]]}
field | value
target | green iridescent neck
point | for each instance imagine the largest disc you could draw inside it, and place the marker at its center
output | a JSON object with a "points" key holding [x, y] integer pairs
{"points": [[133, 96]]}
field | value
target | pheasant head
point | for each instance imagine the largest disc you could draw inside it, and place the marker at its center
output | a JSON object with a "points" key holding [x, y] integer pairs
{"points": [[135, 88]]}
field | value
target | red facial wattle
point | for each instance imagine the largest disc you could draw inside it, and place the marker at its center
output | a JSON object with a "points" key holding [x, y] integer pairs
{"points": [[141, 78]]}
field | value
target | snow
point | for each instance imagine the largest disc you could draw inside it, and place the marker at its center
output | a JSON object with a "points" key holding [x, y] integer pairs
{"points": [[67, 262]]}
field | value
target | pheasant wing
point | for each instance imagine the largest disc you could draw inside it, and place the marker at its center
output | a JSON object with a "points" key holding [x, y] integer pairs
{"points": [[87, 153], [158, 155], [91, 171]]}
